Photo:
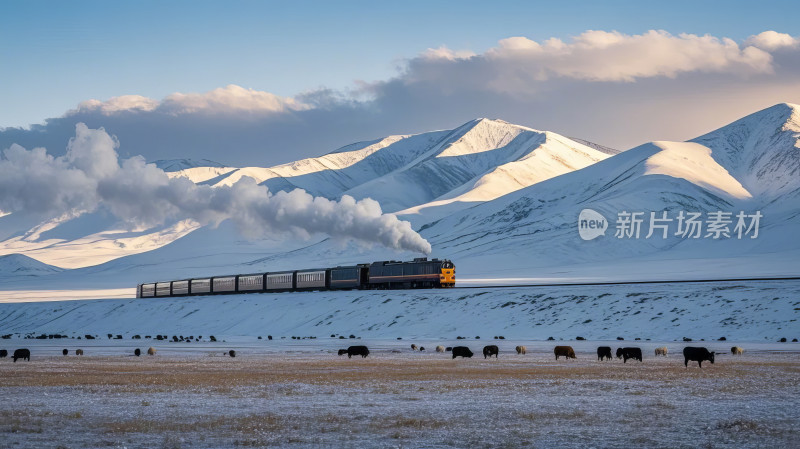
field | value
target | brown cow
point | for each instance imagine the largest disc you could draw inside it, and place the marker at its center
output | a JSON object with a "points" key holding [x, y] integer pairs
{"points": [[151, 351], [737, 350], [521, 350], [566, 351]]}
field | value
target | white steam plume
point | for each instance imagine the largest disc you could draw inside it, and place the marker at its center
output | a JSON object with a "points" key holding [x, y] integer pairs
{"points": [[90, 175]]}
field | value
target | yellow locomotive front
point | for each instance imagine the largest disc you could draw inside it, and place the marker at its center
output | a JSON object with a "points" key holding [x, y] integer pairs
{"points": [[447, 278]]}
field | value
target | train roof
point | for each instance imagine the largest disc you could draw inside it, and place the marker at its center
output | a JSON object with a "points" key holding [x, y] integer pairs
{"points": [[416, 260]]}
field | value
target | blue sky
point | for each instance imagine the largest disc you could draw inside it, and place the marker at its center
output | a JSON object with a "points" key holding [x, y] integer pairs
{"points": [[57, 54]]}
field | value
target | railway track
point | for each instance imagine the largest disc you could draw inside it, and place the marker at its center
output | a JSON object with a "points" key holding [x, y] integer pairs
{"points": [[577, 284]]}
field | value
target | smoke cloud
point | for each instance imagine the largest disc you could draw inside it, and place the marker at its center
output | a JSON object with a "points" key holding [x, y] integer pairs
{"points": [[91, 175]]}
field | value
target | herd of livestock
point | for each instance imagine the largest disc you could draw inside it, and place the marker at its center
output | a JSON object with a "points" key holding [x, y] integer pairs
{"points": [[690, 354]]}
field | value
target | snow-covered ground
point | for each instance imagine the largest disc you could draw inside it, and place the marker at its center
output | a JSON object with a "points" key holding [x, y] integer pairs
{"points": [[746, 310]]}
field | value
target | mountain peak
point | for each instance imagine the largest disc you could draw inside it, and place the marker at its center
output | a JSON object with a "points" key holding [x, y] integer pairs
{"points": [[172, 165], [19, 264]]}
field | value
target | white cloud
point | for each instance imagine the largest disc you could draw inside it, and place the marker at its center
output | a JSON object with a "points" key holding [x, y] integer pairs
{"points": [[90, 175], [119, 104], [772, 40], [614, 56], [228, 99], [447, 54]]}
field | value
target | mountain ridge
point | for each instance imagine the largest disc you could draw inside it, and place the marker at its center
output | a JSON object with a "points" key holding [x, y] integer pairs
{"points": [[527, 226]]}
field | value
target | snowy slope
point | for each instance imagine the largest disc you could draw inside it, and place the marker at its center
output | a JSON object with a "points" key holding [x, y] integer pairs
{"points": [[174, 165], [761, 150], [736, 310], [19, 265], [90, 239], [726, 172], [477, 161]]}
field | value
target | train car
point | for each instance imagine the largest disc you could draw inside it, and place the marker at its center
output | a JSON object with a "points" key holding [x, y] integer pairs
{"points": [[146, 290], [223, 284], [419, 273], [313, 279], [180, 288], [353, 277], [281, 281], [200, 286], [250, 282], [163, 288]]}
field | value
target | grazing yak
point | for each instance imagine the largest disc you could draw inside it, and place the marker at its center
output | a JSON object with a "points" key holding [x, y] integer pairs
{"points": [[440, 348], [629, 353], [521, 350], [79, 352], [151, 351], [697, 354], [22, 354], [357, 350], [65, 351], [343, 352], [137, 352], [604, 352], [413, 347], [737, 350], [566, 351], [3, 353], [490, 350], [232, 353], [661, 351], [461, 351]]}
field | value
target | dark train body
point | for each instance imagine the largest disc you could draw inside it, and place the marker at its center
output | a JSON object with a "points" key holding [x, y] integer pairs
{"points": [[419, 273]]}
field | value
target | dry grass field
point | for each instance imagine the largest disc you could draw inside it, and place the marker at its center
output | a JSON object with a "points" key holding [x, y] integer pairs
{"points": [[398, 399]]}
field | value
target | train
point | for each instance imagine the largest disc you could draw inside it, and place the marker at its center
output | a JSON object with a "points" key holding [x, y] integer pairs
{"points": [[388, 274]]}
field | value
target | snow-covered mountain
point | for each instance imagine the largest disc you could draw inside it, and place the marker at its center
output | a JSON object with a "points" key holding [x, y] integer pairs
{"points": [[478, 161], [174, 165], [751, 165], [20, 265], [501, 200]]}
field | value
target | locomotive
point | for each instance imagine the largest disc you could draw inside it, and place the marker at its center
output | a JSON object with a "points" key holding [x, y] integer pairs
{"points": [[392, 274]]}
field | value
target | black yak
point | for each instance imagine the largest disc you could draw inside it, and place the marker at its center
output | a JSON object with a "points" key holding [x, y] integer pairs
{"points": [[357, 350], [604, 352], [490, 350], [22, 354], [462, 351], [697, 354], [629, 353]]}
